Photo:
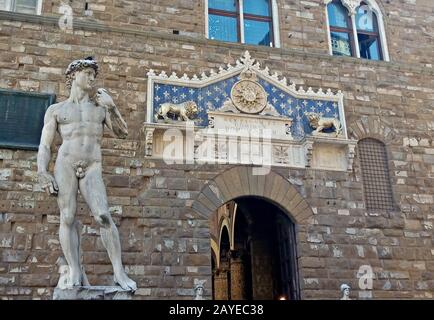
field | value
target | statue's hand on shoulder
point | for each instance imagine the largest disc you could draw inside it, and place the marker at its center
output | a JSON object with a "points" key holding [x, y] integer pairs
{"points": [[103, 99], [48, 183], [113, 118]]}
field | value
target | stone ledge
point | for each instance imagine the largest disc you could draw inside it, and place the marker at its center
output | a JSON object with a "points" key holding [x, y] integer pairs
{"points": [[96, 26], [93, 293]]}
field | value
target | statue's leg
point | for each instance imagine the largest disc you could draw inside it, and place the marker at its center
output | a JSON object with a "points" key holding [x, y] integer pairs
{"points": [[93, 191], [68, 233]]}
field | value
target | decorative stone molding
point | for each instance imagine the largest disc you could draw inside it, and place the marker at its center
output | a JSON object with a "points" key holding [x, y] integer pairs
{"points": [[269, 110], [258, 109], [228, 106], [351, 155], [240, 124], [244, 63], [308, 147], [149, 141], [246, 95], [249, 96], [211, 122], [222, 143], [351, 5]]}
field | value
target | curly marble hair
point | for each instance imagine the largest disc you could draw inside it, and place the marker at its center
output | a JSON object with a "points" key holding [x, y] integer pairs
{"points": [[78, 65]]}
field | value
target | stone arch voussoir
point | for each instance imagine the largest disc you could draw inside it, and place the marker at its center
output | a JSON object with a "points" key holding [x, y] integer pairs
{"points": [[239, 181], [371, 127]]}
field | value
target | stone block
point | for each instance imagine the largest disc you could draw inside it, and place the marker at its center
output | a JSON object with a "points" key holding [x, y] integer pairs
{"points": [[93, 293], [14, 255]]}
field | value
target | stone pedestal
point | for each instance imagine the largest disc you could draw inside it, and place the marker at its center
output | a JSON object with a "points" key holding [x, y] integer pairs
{"points": [[93, 293]]}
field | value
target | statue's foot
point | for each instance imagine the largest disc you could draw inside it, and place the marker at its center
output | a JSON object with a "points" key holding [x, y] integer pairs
{"points": [[74, 278], [125, 282]]}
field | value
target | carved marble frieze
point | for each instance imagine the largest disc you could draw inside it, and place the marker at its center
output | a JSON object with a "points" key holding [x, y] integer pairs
{"points": [[295, 127]]}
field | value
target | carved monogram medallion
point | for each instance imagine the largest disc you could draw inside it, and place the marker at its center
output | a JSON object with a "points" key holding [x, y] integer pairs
{"points": [[248, 96]]}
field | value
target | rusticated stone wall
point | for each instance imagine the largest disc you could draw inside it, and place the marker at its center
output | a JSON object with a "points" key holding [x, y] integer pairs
{"points": [[408, 23], [165, 241]]}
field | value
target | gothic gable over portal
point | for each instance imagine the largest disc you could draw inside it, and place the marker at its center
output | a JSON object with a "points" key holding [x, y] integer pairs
{"points": [[245, 83], [307, 127]]}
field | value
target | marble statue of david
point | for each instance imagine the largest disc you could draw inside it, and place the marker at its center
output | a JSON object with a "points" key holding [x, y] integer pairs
{"points": [[80, 121]]}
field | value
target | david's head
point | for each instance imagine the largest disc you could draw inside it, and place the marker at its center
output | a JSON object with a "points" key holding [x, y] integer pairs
{"points": [[345, 289], [82, 73]]}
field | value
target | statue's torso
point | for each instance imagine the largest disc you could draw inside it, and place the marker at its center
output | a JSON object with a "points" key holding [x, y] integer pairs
{"points": [[81, 128]]}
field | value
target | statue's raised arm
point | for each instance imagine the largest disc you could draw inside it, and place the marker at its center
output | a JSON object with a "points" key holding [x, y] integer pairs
{"points": [[113, 119]]}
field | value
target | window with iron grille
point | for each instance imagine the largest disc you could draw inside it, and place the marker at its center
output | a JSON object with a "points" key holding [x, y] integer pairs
{"points": [[375, 175], [22, 118]]}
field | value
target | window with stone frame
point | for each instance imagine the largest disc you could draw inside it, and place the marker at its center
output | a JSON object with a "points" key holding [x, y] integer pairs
{"points": [[245, 21], [22, 6], [356, 30], [375, 175]]}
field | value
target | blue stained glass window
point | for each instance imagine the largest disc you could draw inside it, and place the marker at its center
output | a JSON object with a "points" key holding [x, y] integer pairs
{"points": [[341, 45], [366, 19], [226, 5], [369, 48], [256, 7], [222, 28], [257, 32], [338, 15]]}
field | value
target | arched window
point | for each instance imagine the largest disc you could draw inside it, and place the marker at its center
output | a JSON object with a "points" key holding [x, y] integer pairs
{"points": [[375, 175], [341, 32], [356, 29], [245, 21], [367, 33]]}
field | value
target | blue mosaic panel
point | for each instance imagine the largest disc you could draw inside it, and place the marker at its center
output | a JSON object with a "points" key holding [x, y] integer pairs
{"points": [[212, 97]]}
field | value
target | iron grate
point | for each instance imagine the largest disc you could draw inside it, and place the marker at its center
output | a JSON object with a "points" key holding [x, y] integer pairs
{"points": [[375, 175]]}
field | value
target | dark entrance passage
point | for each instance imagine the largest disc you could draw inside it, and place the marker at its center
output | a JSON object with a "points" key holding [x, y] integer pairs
{"points": [[256, 252]]}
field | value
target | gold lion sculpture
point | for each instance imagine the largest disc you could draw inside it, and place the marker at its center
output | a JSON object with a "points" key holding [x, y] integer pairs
{"points": [[186, 111], [319, 123]]}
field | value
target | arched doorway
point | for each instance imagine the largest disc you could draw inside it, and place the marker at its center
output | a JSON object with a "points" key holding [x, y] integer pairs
{"points": [[263, 199], [257, 252]]}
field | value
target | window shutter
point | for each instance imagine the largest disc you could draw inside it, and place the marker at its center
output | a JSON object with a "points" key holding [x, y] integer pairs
{"points": [[22, 118]]}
